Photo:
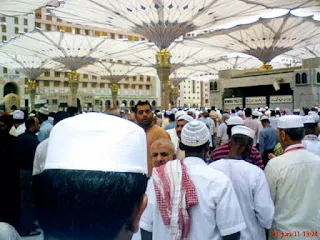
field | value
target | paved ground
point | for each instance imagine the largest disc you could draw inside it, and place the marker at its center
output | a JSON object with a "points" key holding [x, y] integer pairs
{"points": [[40, 237]]}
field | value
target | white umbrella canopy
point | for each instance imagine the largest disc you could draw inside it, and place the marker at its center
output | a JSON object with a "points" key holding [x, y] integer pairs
{"points": [[74, 51], [266, 38], [115, 72], [289, 4], [31, 67], [160, 21], [13, 8], [311, 51]]}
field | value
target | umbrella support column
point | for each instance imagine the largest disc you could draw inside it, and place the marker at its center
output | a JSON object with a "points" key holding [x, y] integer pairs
{"points": [[114, 91], [164, 70], [175, 96], [74, 86], [32, 93]]}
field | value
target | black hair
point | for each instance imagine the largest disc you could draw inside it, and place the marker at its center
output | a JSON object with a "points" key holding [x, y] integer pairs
{"points": [[237, 109], [29, 122], [273, 113], [75, 204], [7, 120], [172, 117], [141, 103], [295, 134], [248, 112], [52, 114], [265, 121], [33, 111], [189, 149], [72, 110], [229, 127], [233, 111], [243, 142], [310, 128], [60, 116]]}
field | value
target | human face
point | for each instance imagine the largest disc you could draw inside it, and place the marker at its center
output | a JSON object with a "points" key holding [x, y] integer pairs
{"points": [[144, 116], [190, 113], [179, 125], [161, 153], [205, 114]]}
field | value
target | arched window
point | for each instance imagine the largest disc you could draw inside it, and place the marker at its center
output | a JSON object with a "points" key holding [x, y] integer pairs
{"points": [[117, 103], [298, 78], [215, 86], [154, 103], [124, 102], [211, 86], [10, 87], [108, 103], [304, 78], [318, 77], [132, 103]]}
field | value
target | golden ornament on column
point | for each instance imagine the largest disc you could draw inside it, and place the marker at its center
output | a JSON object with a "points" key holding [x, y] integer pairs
{"points": [[74, 85], [114, 91], [32, 86], [266, 66], [163, 67]]}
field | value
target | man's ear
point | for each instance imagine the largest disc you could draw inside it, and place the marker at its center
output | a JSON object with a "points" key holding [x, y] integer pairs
{"points": [[137, 213]]}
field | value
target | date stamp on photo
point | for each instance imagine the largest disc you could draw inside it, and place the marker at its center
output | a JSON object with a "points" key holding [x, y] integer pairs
{"points": [[301, 234]]}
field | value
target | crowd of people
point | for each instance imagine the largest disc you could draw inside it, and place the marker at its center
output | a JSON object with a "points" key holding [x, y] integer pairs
{"points": [[248, 174]]}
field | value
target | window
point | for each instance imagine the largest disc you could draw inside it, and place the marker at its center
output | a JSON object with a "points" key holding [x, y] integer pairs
{"points": [[133, 38], [38, 14], [148, 79], [57, 74], [56, 84], [4, 38], [298, 78], [49, 18], [2, 19], [119, 61], [5, 70], [134, 78], [16, 20], [93, 85], [16, 30], [46, 83], [16, 72], [85, 76], [140, 87], [127, 79], [113, 36], [25, 30], [38, 25], [102, 85], [25, 21], [66, 75], [126, 86], [66, 84], [54, 101], [47, 74], [77, 31], [94, 77], [48, 27], [304, 78], [120, 36], [147, 87], [86, 32], [215, 86], [141, 78], [59, 20], [84, 85], [4, 28], [133, 86], [318, 77], [97, 102]]}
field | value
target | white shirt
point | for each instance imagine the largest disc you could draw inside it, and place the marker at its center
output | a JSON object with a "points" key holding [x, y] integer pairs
{"points": [[7, 232], [40, 157], [174, 138], [312, 144], [222, 133], [217, 214], [294, 179], [253, 193], [21, 129]]}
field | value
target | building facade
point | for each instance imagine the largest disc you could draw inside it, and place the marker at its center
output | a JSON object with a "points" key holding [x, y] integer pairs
{"points": [[286, 88], [194, 94]]}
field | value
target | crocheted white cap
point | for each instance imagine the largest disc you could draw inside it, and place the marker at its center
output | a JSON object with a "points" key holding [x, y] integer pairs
{"points": [[290, 121], [264, 118], [186, 118], [235, 121], [179, 113], [195, 134], [18, 115], [308, 119], [97, 142], [243, 130]]}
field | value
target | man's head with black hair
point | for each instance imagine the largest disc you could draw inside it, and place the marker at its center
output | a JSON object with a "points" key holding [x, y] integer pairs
{"points": [[73, 111], [143, 114], [248, 112], [32, 124]]}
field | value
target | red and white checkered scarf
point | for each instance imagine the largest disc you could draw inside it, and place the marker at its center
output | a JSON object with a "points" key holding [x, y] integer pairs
{"points": [[175, 194]]}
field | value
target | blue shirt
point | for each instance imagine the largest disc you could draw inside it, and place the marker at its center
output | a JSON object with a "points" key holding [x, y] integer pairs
{"points": [[268, 139], [45, 129], [171, 125]]}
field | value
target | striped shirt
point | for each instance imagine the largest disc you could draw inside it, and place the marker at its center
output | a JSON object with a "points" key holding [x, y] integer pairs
{"points": [[223, 152]]}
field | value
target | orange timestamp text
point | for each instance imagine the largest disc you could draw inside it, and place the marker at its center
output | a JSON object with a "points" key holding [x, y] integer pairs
{"points": [[301, 234]]}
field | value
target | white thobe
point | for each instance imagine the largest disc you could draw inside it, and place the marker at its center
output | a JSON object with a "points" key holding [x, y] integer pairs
{"points": [[312, 144], [21, 129], [253, 193], [7, 232], [40, 157], [294, 179], [174, 138], [217, 214]]}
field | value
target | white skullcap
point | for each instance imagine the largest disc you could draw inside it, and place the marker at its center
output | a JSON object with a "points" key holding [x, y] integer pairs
{"points": [[243, 130], [174, 110], [97, 142], [255, 113], [18, 115], [296, 110], [186, 117], [168, 112], [192, 110], [308, 119], [266, 107], [290, 121], [235, 121], [262, 109], [32, 115], [316, 118], [311, 113], [264, 118], [240, 113], [195, 134], [179, 113], [44, 111], [277, 109]]}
